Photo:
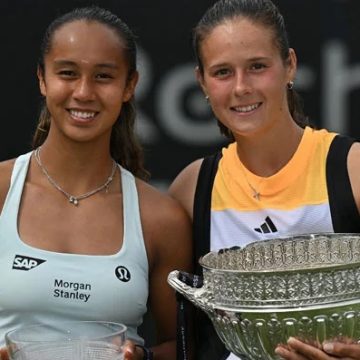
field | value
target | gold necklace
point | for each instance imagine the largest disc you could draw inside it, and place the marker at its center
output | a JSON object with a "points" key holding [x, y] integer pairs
{"points": [[255, 193], [74, 199]]}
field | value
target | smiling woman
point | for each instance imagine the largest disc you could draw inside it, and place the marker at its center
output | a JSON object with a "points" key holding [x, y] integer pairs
{"points": [[85, 84], [99, 242], [278, 177]]}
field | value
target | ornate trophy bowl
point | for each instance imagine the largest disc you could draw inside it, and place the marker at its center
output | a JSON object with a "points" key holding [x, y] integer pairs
{"points": [[258, 296]]}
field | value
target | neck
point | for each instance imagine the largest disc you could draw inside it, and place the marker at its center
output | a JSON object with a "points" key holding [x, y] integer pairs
{"points": [[264, 155], [72, 198], [77, 168]]}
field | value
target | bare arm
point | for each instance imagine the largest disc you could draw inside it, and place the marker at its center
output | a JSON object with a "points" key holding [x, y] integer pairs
{"points": [[167, 230], [353, 163], [5, 176], [183, 187]]}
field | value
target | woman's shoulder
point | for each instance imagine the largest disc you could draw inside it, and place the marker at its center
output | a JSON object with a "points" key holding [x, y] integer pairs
{"points": [[188, 174], [6, 168], [164, 221], [354, 159], [156, 204], [183, 187], [353, 164]]}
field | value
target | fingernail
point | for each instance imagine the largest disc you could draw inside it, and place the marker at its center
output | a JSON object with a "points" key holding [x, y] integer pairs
{"points": [[291, 340], [280, 351], [328, 347]]}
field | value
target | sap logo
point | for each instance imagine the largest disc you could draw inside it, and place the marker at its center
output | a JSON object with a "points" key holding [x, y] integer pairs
{"points": [[26, 263]]}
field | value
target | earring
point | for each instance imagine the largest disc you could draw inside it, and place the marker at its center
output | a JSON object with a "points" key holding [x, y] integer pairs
{"points": [[290, 85], [207, 98]]}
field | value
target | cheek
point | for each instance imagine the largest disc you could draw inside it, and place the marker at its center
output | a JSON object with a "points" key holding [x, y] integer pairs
{"points": [[276, 81], [56, 91], [214, 87], [112, 99], [218, 92], [273, 88]]}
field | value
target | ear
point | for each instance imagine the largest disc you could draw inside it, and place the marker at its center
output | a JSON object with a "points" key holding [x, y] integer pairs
{"points": [[200, 79], [292, 65], [130, 87], [41, 79]]}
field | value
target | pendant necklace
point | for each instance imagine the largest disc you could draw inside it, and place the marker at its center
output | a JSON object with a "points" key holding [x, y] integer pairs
{"points": [[71, 198], [255, 193]]}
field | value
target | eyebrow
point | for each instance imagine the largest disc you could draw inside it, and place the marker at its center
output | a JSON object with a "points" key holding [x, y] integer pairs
{"points": [[63, 62], [254, 59], [259, 58]]}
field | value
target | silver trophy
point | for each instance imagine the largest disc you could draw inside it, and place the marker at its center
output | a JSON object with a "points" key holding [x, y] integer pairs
{"points": [[306, 287]]}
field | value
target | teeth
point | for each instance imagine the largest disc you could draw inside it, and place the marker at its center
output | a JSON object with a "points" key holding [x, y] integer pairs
{"points": [[244, 109], [82, 114]]}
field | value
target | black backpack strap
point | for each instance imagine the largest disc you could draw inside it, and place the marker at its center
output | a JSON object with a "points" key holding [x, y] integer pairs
{"points": [[344, 213], [202, 207], [208, 346]]}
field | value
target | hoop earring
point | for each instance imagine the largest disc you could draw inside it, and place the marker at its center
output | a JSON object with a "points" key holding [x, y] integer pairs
{"points": [[290, 85]]}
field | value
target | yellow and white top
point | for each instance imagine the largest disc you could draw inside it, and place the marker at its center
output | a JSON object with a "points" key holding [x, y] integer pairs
{"points": [[293, 201]]}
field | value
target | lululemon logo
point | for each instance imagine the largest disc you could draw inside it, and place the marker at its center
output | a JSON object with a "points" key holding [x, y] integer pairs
{"points": [[122, 273]]}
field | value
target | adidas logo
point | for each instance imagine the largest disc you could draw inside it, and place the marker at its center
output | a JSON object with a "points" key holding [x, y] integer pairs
{"points": [[267, 227]]}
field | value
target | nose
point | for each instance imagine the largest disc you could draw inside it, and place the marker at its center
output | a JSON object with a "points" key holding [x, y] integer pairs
{"points": [[242, 84], [84, 90]]}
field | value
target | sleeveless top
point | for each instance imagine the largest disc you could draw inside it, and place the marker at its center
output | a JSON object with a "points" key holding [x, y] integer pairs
{"points": [[40, 286], [293, 201], [312, 193]]}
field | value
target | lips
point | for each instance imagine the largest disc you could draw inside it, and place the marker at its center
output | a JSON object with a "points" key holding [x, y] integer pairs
{"points": [[246, 108]]}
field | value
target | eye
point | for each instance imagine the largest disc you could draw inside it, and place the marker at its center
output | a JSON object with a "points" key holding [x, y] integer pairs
{"points": [[257, 66], [221, 73], [68, 74], [104, 76]]}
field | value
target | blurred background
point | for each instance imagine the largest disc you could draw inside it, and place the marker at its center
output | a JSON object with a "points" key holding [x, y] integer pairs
{"points": [[175, 124]]}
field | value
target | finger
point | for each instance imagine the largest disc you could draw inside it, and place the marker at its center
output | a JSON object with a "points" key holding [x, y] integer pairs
{"points": [[308, 351], [129, 350], [4, 354], [350, 351], [287, 354]]}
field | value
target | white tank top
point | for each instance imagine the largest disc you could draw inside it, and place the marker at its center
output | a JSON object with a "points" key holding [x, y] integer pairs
{"points": [[39, 286]]}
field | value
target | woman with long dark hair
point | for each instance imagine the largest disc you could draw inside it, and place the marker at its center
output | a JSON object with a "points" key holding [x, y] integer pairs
{"points": [[278, 176], [102, 239]]}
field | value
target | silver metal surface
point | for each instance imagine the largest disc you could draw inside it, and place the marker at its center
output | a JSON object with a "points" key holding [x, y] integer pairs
{"points": [[259, 296]]}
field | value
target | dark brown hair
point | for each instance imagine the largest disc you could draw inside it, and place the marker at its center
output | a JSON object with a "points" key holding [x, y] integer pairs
{"points": [[259, 11], [124, 146]]}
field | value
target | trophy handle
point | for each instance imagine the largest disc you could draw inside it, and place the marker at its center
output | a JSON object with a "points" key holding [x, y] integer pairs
{"points": [[193, 294]]}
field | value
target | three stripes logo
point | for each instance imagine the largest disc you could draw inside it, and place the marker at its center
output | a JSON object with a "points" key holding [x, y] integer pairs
{"points": [[267, 227]]}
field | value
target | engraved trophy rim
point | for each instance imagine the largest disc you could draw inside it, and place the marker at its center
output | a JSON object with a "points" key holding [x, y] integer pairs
{"points": [[204, 260]]}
